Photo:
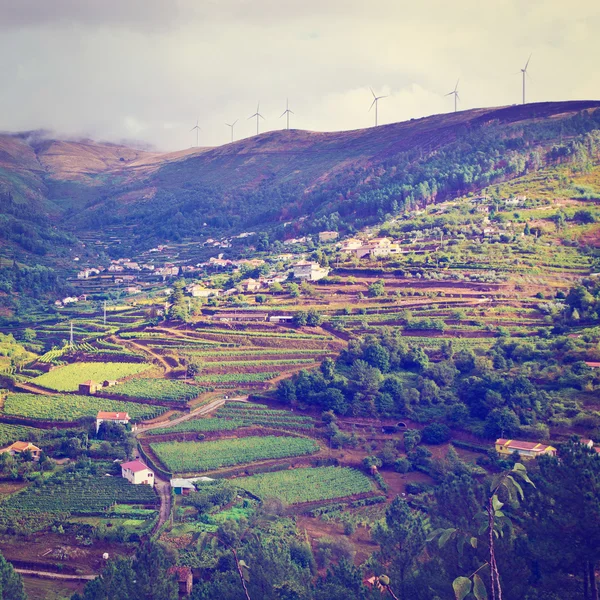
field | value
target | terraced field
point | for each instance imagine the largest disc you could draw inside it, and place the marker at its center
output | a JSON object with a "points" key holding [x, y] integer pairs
{"points": [[68, 377], [307, 484], [188, 457], [71, 407]]}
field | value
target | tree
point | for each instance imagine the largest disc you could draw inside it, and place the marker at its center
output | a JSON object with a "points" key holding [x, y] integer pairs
{"points": [[377, 288], [11, 584], [313, 318], [436, 433], [564, 511], [293, 290], [401, 538]]}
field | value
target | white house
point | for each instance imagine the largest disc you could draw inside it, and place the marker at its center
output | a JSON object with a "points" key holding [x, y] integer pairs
{"points": [[135, 471], [113, 417], [311, 271]]}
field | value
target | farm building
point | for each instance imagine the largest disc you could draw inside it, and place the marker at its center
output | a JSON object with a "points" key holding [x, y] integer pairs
{"points": [[328, 236], [20, 447], [184, 577], [199, 291], [311, 271], [182, 487], [113, 417], [249, 285], [525, 449], [109, 382], [250, 316], [135, 471], [87, 388]]}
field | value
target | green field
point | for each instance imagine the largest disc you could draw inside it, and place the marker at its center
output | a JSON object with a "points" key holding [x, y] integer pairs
{"points": [[80, 493], [72, 407], [12, 433], [68, 378], [187, 457], [307, 484], [200, 425], [165, 390]]}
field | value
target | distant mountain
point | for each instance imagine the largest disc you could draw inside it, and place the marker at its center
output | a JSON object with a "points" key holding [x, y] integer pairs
{"points": [[56, 191]]}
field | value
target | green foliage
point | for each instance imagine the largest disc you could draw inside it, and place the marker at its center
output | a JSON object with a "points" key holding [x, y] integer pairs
{"points": [[307, 484], [185, 457]]}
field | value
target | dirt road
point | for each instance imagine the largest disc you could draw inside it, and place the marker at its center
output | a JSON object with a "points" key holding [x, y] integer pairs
{"points": [[49, 575]]}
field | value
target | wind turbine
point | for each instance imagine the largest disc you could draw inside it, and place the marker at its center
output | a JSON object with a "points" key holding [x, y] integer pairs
{"points": [[232, 125], [287, 112], [197, 130], [524, 71], [376, 100], [257, 115], [455, 94]]}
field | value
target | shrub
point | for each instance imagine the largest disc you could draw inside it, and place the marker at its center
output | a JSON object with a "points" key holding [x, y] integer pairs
{"points": [[436, 433]]}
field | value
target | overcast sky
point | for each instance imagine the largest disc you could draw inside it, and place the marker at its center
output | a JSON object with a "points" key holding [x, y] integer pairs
{"points": [[147, 69]]}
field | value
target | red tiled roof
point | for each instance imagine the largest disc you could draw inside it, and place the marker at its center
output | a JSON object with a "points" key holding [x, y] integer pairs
{"points": [[592, 364], [134, 466], [520, 445], [113, 416], [22, 446]]}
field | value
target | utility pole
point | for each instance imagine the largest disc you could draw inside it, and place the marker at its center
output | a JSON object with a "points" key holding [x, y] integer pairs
{"points": [[105, 312], [71, 338]]}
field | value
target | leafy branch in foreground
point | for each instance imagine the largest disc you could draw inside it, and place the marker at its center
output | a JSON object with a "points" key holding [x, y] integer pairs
{"points": [[492, 524]]}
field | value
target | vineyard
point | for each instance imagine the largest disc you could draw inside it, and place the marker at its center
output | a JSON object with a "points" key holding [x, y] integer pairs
{"points": [[307, 484], [68, 377], [12, 433], [165, 390], [237, 377], [187, 457], [71, 407], [81, 493], [257, 414], [200, 425]]}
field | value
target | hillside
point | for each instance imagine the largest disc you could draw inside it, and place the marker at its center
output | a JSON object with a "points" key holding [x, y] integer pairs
{"points": [[56, 191]]}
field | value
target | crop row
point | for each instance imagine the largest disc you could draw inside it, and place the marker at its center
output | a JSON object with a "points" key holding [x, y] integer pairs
{"points": [[258, 351], [307, 484], [237, 377], [183, 457], [72, 407], [200, 425], [258, 362], [83, 494], [12, 433], [268, 334], [156, 389]]}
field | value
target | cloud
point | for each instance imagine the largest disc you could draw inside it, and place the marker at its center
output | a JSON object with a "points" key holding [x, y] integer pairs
{"points": [[119, 69]]}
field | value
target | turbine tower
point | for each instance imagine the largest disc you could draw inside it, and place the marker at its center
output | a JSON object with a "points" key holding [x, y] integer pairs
{"points": [[287, 112], [232, 125], [257, 115], [525, 74], [375, 102], [455, 94], [197, 130]]}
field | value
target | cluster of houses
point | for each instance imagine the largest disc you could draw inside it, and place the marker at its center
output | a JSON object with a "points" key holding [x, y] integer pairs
{"points": [[528, 450]]}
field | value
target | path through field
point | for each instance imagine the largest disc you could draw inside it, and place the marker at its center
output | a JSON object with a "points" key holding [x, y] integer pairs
{"points": [[50, 575], [163, 486]]}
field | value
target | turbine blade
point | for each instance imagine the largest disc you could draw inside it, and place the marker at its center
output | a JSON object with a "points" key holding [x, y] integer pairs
{"points": [[262, 117], [372, 92], [292, 112], [283, 113], [374, 101], [380, 97], [449, 94], [234, 122], [456, 86], [527, 63]]}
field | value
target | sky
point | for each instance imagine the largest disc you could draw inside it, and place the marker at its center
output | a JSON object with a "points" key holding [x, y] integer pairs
{"points": [[146, 70]]}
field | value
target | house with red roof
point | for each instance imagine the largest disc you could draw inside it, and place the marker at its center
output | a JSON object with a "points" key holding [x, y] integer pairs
{"points": [[526, 450], [135, 471], [113, 417], [20, 447]]}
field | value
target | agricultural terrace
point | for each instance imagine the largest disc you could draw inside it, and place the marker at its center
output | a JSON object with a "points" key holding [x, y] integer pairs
{"points": [[188, 457], [307, 484], [165, 390], [259, 414], [200, 425], [71, 407], [80, 492], [12, 433], [68, 377]]}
